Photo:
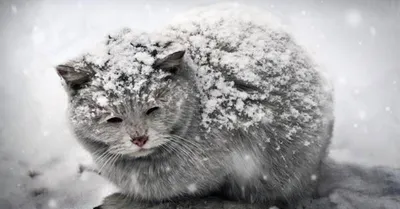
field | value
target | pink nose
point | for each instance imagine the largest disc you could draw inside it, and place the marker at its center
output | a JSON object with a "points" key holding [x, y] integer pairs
{"points": [[140, 141]]}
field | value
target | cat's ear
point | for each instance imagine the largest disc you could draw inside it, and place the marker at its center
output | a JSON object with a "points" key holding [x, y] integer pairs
{"points": [[74, 78], [171, 63]]}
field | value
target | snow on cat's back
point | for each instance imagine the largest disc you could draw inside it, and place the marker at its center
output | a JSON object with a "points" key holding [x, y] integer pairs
{"points": [[242, 54]]}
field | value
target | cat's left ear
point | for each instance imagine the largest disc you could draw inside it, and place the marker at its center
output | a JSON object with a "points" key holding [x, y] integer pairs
{"points": [[74, 78], [171, 63]]}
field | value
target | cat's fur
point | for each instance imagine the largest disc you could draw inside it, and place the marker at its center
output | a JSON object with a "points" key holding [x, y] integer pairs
{"points": [[272, 160]]}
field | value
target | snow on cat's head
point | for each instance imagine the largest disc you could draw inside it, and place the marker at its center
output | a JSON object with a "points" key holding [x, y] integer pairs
{"points": [[132, 96]]}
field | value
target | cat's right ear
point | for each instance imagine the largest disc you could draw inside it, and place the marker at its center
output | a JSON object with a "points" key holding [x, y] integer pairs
{"points": [[171, 63], [74, 78]]}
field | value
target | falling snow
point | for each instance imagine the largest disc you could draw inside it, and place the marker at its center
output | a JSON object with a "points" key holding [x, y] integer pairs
{"points": [[362, 114], [353, 17], [14, 9], [47, 34], [52, 203], [372, 31], [313, 177], [38, 36], [192, 188]]}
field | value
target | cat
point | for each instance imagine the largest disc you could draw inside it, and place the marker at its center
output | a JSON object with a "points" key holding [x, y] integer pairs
{"points": [[222, 101]]}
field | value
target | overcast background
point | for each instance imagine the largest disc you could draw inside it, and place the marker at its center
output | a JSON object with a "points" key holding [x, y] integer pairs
{"points": [[357, 41]]}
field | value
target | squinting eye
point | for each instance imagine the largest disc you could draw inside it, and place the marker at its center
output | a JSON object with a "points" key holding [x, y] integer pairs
{"points": [[114, 120], [151, 110]]}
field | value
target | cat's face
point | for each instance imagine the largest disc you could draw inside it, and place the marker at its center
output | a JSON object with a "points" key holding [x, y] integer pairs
{"points": [[132, 114]]}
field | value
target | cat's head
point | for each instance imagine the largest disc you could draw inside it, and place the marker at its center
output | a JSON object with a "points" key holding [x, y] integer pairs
{"points": [[133, 104]]}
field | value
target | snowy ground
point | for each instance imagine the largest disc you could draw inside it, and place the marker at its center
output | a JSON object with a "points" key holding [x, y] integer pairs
{"points": [[357, 41]]}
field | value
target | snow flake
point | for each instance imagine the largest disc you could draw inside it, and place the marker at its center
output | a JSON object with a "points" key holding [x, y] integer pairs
{"points": [[102, 101], [144, 57], [343, 80], [167, 168], [247, 157], [303, 12], [52, 203], [355, 125], [362, 114], [387, 108], [135, 182], [243, 165], [313, 177], [265, 177], [38, 36], [192, 188], [80, 5], [372, 31], [14, 9], [353, 17], [149, 9], [307, 143]]}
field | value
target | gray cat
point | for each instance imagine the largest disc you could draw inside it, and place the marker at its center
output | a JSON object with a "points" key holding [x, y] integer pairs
{"points": [[222, 101]]}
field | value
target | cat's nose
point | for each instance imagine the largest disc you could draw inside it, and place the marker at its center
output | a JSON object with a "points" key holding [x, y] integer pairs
{"points": [[140, 141]]}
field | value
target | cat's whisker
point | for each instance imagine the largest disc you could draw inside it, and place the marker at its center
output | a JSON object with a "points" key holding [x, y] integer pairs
{"points": [[107, 160], [194, 143], [182, 149]]}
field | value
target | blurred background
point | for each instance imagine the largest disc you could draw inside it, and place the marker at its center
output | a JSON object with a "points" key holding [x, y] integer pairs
{"points": [[356, 41]]}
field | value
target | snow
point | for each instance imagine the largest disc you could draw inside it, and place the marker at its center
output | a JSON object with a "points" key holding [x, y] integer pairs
{"points": [[372, 30], [243, 165], [353, 17], [40, 36], [192, 188], [314, 177], [52, 203], [14, 9], [362, 114], [260, 40]]}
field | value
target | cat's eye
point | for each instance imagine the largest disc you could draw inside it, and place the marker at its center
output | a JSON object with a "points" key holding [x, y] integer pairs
{"points": [[151, 110], [114, 120]]}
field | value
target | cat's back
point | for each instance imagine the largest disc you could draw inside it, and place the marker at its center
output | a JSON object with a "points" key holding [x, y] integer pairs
{"points": [[250, 70]]}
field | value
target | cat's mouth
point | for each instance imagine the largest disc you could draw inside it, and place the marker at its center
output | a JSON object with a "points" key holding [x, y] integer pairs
{"points": [[142, 152]]}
